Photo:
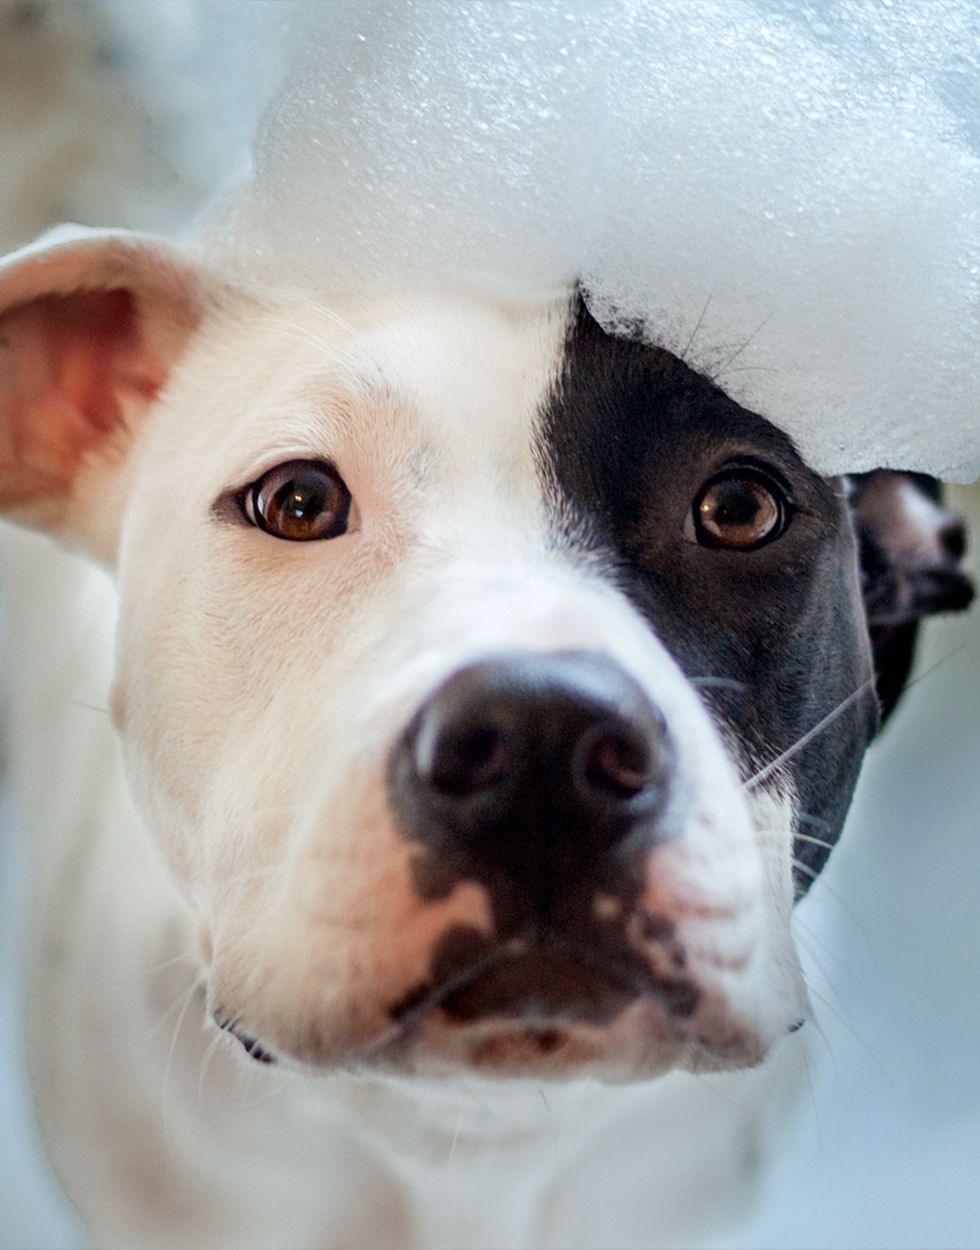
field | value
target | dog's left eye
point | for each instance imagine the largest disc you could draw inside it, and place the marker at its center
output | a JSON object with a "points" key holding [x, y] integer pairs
{"points": [[739, 509], [301, 501]]}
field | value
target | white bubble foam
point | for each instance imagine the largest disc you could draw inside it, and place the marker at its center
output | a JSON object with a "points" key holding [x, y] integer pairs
{"points": [[785, 193]]}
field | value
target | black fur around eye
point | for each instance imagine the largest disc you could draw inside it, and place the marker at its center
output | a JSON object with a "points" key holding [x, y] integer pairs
{"points": [[302, 501], [740, 509]]}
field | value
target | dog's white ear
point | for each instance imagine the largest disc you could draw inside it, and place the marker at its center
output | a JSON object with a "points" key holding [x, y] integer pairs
{"points": [[91, 324]]}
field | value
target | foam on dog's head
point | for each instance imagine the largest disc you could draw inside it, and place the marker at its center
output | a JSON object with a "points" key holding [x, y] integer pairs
{"points": [[788, 196]]}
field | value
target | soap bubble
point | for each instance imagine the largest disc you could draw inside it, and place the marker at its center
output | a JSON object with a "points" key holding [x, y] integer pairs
{"points": [[786, 194]]}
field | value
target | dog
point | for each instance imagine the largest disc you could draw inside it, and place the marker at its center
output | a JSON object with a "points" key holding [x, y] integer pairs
{"points": [[488, 689]]}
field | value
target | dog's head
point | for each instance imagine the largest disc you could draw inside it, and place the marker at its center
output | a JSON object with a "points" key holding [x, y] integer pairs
{"points": [[491, 685]]}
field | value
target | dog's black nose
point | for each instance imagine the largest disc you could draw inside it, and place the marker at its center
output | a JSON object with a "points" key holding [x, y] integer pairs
{"points": [[538, 764]]}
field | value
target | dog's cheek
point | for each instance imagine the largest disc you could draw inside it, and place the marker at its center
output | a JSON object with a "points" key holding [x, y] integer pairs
{"points": [[320, 959]]}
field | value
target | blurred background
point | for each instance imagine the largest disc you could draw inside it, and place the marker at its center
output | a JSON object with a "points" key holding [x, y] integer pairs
{"points": [[104, 119]]}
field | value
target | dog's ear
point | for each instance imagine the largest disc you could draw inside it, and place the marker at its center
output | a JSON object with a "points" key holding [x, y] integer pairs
{"points": [[911, 550], [91, 323]]}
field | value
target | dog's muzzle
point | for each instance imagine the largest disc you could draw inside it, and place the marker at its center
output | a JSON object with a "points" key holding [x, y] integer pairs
{"points": [[567, 897]]}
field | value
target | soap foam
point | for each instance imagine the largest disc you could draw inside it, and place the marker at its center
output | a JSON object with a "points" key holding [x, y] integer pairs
{"points": [[786, 194]]}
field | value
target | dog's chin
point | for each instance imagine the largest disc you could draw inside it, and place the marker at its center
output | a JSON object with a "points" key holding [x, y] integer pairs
{"points": [[540, 1050], [639, 1044]]}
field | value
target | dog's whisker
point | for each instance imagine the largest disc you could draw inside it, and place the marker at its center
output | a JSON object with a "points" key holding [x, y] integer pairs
{"points": [[720, 369], [297, 333], [205, 1062], [452, 1144], [184, 994], [950, 655], [767, 771], [812, 940], [813, 1098], [285, 1079], [175, 919], [722, 683], [168, 1138], [300, 298], [329, 313], [184, 956], [812, 873], [819, 878], [825, 1003], [782, 837], [697, 326], [722, 1095], [89, 707], [806, 837]]}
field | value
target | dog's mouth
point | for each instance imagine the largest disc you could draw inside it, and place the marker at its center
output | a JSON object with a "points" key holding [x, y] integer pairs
{"points": [[532, 1008], [251, 1045], [544, 983], [518, 1006]]}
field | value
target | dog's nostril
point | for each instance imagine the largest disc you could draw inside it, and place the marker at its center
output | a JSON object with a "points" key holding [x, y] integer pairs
{"points": [[540, 765], [467, 761], [616, 764], [953, 538]]}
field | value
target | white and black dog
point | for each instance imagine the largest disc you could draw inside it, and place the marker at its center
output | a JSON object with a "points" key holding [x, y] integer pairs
{"points": [[490, 688]]}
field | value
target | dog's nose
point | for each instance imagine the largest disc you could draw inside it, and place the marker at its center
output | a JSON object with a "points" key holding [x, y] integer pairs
{"points": [[532, 763]]}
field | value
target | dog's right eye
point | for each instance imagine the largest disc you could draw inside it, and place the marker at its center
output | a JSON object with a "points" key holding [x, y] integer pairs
{"points": [[301, 501]]}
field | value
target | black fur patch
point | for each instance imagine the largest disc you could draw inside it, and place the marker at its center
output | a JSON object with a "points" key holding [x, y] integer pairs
{"points": [[629, 436]]}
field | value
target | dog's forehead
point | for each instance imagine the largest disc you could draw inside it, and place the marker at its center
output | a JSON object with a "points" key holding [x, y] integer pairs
{"points": [[433, 379], [420, 351]]}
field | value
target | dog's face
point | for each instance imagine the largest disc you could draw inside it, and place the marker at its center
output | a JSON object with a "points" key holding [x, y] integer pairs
{"points": [[492, 686]]}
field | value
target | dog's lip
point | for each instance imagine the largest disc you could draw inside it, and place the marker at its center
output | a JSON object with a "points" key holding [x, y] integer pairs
{"points": [[544, 983], [251, 1045]]}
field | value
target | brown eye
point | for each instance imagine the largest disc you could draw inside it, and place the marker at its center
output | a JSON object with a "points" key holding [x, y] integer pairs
{"points": [[301, 501], [741, 509]]}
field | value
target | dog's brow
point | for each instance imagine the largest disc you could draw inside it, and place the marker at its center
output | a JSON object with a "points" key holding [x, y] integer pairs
{"points": [[358, 383]]}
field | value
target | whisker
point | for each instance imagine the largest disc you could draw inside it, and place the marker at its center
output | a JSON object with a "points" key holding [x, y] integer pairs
{"points": [[857, 1036], [764, 773], [805, 837], [291, 330], [452, 1144], [720, 369], [205, 1061], [723, 683], [329, 313], [91, 707], [181, 997], [803, 819], [813, 1100], [970, 642], [810, 941], [785, 835], [274, 1090], [818, 878], [169, 963], [697, 326], [296, 296], [167, 1123]]}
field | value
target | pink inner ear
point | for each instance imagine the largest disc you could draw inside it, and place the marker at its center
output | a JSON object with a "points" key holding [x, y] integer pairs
{"points": [[67, 362]]}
